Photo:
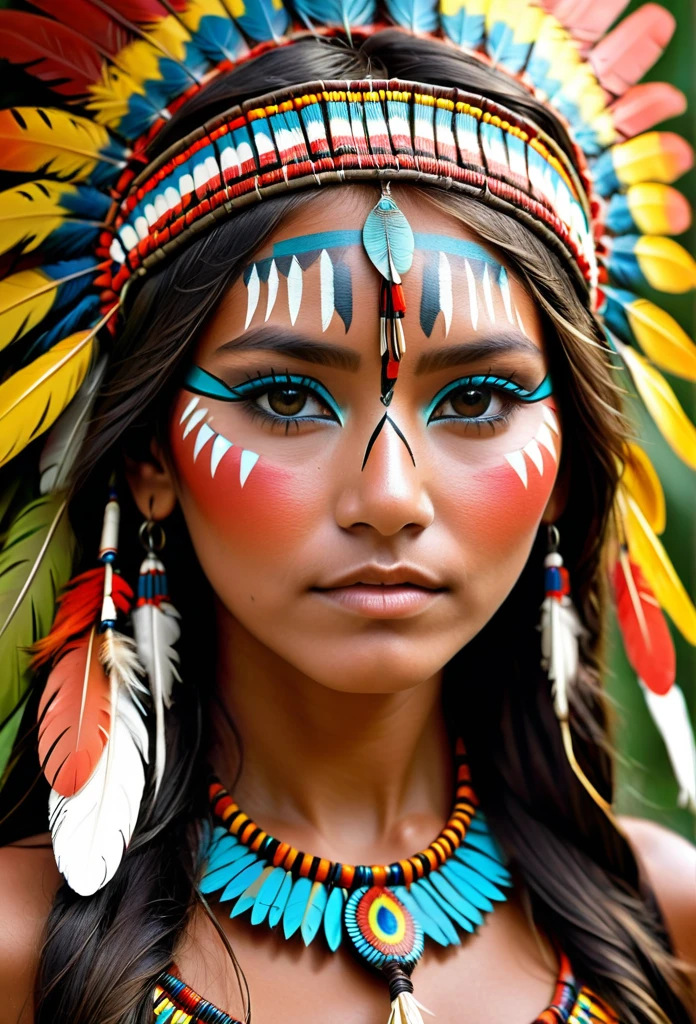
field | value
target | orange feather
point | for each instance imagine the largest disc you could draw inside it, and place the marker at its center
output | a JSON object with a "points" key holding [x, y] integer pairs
{"points": [[645, 633]]}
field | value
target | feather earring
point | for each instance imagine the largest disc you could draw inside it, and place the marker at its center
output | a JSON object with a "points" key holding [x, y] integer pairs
{"points": [[561, 630], [93, 740], [156, 629]]}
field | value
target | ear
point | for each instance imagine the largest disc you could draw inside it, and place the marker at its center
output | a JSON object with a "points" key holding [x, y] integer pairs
{"points": [[152, 484]]}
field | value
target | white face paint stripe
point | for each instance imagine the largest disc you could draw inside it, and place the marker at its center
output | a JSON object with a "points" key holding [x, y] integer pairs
{"points": [[446, 300], [272, 289], [204, 435], [488, 294], [253, 291], [545, 438], [326, 277], [220, 448], [294, 289], [533, 451], [504, 285], [517, 461], [520, 321], [473, 299], [550, 418], [189, 408], [247, 463], [194, 421]]}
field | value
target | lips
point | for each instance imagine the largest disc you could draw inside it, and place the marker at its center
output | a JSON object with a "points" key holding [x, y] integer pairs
{"points": [[374, 575], [383, 592]]}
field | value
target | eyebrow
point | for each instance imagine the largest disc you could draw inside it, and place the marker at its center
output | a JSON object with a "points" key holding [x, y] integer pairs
{"points": [[456, 355], [285, 343]]}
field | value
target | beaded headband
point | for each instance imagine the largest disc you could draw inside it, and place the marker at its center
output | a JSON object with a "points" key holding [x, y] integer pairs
{"points": [[322, 133]]}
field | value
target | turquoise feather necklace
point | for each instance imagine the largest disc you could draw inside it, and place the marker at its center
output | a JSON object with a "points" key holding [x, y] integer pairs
{"points": [[385, 910]]}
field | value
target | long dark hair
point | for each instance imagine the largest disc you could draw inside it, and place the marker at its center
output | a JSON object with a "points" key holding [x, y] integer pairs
{"points": [[102, 954]]}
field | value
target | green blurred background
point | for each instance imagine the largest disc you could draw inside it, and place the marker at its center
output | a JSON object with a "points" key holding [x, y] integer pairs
{"points": [[646, 782]]}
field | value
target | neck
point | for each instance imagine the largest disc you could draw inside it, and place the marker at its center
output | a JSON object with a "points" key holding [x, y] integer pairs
{"points": [[362, 776]]}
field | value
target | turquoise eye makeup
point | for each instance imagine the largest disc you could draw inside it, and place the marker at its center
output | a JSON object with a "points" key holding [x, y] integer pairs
{"points": [[283, 397], [471, 397]]}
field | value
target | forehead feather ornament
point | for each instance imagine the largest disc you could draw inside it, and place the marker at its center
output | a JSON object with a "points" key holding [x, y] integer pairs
{"points": [[94, 211]]}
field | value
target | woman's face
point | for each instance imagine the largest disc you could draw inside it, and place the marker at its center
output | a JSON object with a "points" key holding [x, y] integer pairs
{"points": [[366, 566]]}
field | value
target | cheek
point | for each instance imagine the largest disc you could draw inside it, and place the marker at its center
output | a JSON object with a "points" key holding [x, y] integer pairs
{"points": [[244, 499], [499, 507]]}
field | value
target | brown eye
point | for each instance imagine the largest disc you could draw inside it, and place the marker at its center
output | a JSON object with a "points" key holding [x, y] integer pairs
{"points": [[286, 401], [471, 402]]}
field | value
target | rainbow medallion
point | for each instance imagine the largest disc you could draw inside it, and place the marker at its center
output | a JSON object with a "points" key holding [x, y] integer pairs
{"points": [[382, 929]]}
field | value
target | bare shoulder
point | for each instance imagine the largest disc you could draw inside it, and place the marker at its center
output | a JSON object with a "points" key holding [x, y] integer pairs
{"points": [[669, 862], [28, 882]]}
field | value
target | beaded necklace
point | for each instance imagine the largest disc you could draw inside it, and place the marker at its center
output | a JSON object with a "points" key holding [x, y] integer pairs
{"points": [[386, 910]]}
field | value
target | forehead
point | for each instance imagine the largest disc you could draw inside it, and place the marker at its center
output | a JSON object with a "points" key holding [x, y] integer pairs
{"points": [[333, 220]]}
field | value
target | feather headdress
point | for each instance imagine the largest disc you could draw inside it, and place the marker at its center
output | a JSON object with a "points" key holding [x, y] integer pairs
{"points": [[91, 210]]}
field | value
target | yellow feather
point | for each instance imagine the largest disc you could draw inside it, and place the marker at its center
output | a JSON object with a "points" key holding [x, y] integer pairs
{"points": [[54, 141], [110, 98], [35, 396], [658, 209], [662, 404], [666, 264], [26, 299], [29, 213], [650, 157], [643, 484], [661, 338], [648, 552]]}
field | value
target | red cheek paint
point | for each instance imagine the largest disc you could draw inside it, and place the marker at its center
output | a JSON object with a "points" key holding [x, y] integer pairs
{"points": [[266, 509]]}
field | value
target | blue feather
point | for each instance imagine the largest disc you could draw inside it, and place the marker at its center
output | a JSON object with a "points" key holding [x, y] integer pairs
{"points": [[388, 239], [416, 15], [218, 38], [314, 914], [451, 871], [219, 877], [434, 912], [249, 895], [483, 885], [280, 902], [427, 923], [446, 905], [267, 895], [263, 20], [466, 30], [242, 882], [490, 869], [333, 919], [296, 906], [84, 314], [233, 870], [224, 852], [345, 13], [502, 48], [486, 844], [458, 902]]}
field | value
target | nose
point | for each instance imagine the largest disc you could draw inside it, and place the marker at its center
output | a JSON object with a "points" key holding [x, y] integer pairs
{"points": [[388, 493]]}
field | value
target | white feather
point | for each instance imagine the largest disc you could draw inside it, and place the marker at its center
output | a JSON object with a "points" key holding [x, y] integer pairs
{"points": [[561, 630], [326, 273], [92, 829], [671, 717], [272, 288], [156, 630], [119, 656], [294, 289], [446, 301], [406, 1010], [66, 437], [253, 292]]}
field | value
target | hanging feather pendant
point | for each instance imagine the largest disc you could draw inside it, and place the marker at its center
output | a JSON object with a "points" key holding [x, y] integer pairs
{"points": [[561, 630], [156, 628], [389, 243]]}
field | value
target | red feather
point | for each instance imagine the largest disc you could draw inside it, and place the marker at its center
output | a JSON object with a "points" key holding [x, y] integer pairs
{"points": [[622, 58], [61, 58], [643, 106], [79, 610], [74, 717], [587, 20], [140, 12], [644, 629], [88, 21]]}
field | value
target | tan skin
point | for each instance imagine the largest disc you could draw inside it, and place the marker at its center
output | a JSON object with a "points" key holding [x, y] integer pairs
{"points": [[349, 764]]}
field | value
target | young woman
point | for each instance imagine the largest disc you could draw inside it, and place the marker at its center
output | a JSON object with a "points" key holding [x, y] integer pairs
{"points": [[374, 432]]}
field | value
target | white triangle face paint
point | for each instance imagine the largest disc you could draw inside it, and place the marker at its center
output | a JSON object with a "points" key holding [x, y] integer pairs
{"points": [[446, 301], [326, 273], [196, 418], [533, 451], [272, 289], [204, 435], [516, 460], [488, 294], [550, 418], [473, 298], [247, 463], [520, 321], [189, 408], [544, 437], [253, 292], [220, 448], [504, 285], [294, 289]]}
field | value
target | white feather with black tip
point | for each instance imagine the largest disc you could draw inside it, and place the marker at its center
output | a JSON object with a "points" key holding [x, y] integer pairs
{"points": [[561, 630], [92, 829]]}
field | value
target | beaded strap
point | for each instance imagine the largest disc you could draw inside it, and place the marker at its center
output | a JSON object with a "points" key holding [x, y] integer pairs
{"points": [[348, 876], [329, 132]]}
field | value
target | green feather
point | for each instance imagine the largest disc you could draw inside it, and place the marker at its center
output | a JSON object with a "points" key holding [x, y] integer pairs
{"points": [[35, 564], [388, 239]]}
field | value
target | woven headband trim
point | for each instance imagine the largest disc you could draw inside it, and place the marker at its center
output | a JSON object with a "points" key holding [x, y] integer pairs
{"points": [[323, 133]]}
